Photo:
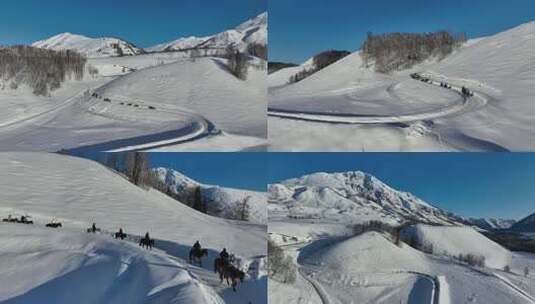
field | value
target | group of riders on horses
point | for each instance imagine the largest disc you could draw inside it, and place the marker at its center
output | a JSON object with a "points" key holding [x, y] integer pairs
{"points": [[465, 91], [222, 265], [24, 219]]}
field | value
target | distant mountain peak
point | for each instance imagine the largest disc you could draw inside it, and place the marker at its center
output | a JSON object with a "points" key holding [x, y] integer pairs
{"points": [[90, 47], [353, 196], [251, 31]]}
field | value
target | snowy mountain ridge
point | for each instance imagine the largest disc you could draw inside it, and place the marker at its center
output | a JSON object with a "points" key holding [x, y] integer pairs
{"points": [[492, 223], [352, 196], [90, 47], [527, 224], [249, 32], [221, 201]]}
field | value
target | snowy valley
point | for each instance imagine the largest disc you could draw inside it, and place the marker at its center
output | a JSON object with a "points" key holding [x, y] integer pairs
{"points": [[129, 98]]}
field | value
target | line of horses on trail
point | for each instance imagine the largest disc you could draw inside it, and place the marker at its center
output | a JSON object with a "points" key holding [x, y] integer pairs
{"points": [[226, 270], [465, 91]]}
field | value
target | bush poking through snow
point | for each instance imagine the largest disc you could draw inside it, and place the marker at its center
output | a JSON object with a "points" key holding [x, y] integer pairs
{"points": [[507, 268], [280, 267], [472, 260], [526, 271]]}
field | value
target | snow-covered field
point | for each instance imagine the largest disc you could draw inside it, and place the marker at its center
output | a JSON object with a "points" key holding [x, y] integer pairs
{"points": [[337, 264], [409, 115], [46, 265], [157, 101]]}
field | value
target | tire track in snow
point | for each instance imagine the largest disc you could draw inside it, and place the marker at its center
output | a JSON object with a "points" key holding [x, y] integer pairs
{"points": [[515, 288]]}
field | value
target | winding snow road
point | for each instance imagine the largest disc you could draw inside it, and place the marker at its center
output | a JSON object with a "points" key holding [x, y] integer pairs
{"points": [[466, 104]]}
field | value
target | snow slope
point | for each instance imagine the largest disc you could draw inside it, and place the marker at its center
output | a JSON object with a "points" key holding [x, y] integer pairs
{"points": [[221, 200], [450, 240], [90, 47], [78, 192], [68, 267], [369, 267], [251, 31], [350, 197], [497, 68], [204, 87]]}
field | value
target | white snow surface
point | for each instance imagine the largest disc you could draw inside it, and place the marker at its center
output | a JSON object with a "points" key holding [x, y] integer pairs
{"points": [[220, 198], [45, 264], [452, 240], [89, 47]]}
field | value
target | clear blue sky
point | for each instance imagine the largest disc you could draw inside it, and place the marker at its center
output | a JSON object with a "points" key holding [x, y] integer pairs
{"points": [[468, 184], [142, 22], [236, 170], [302, 28]]}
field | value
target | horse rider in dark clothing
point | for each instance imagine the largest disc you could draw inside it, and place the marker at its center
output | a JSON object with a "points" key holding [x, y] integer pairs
{"points": [[224, 256]]}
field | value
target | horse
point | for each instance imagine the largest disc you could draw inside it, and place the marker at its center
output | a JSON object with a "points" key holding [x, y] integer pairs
{"points": [[197, 255], [228, 272], [146, 243], [91, 230], [53, 225], [120, 235]]}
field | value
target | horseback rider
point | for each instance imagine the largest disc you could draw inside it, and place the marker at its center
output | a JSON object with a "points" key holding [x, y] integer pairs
{"points": [[224, 256], [197, 247], [94, 228], [23, 218], [121, 231], [147, 236]]}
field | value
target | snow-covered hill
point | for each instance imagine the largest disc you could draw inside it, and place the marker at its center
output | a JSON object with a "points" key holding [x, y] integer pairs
{"points": [[372, 269], [498, 118], [42, 263], [352, 197], [90, 47], [249, 32], [221, 201], [527, 224], [491, 223], [452, 241]]}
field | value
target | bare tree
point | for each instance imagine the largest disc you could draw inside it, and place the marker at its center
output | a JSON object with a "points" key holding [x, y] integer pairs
{"points": [[137, 167], [198, 201], [242, 209], [237, 63], [41, 69], [397, 51]]}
